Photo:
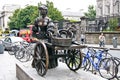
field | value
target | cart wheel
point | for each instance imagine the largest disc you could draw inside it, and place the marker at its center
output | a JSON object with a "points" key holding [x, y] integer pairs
{"points": [[41, 58], [74, 59]]}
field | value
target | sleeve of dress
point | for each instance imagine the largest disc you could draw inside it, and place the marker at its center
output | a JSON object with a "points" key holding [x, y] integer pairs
{"points": [[51, 24]]}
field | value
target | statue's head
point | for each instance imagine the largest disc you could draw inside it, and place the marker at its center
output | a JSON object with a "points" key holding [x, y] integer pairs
{"points": [[43, 10]]}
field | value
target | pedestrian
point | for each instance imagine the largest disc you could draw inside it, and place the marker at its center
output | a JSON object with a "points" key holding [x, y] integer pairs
{"points": [[82, 38], [101, 40]]}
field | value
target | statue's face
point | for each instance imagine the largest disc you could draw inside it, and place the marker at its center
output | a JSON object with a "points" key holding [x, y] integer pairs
{"points": [[43, 12]]}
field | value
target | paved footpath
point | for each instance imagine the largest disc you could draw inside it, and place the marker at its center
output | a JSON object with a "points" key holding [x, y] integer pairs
{"points": [[8, 71], [7, 67], [97, 45], [106, 46]]}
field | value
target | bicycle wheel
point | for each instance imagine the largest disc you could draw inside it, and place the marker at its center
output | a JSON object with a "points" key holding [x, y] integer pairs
{"points": [[85, 63], [30, 53], [117, 60], [11, 52], [107, 68], [26, 57], [20, 53], [106, 54], [118, 74], [74, 59]]}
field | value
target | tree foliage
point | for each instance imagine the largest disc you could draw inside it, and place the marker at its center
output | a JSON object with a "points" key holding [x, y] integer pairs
{"points": [[91, 14], [53, 12], [26, 16], [113, 24], [23, 17], [13, 20]]}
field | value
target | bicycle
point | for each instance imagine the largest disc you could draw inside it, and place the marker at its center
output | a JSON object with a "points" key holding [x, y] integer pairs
{"points": [[100, 62], [93, 53], [25, 52], [14, 48]]}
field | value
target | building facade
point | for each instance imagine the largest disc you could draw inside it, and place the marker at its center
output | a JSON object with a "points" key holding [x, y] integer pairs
{"points": [[6, 12], [107, 8], [69, 15]]}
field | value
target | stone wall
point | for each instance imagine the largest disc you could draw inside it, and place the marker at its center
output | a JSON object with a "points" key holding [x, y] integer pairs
{"points": [[92, 37]]}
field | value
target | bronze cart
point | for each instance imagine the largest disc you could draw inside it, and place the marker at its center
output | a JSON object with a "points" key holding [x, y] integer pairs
{"points": [[46, 56]]}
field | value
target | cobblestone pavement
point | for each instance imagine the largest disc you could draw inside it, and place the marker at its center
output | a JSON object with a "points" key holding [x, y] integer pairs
{"points": [[8, 71]]}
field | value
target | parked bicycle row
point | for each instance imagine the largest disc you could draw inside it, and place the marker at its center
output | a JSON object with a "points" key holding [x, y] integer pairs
{"points": [[101, 62], [22, 51]]}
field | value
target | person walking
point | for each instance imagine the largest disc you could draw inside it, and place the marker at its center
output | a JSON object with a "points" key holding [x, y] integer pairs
{"points": [[102, 40]]}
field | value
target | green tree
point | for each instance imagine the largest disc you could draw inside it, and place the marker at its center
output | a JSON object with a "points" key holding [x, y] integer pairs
{"points": [[13, 19], [23, 17], [91, 14], [26, 16], [113, 24], [53, 12]]}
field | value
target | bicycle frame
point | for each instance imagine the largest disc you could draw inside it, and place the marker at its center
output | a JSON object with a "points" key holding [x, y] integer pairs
{"points": [[97, 55]]}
